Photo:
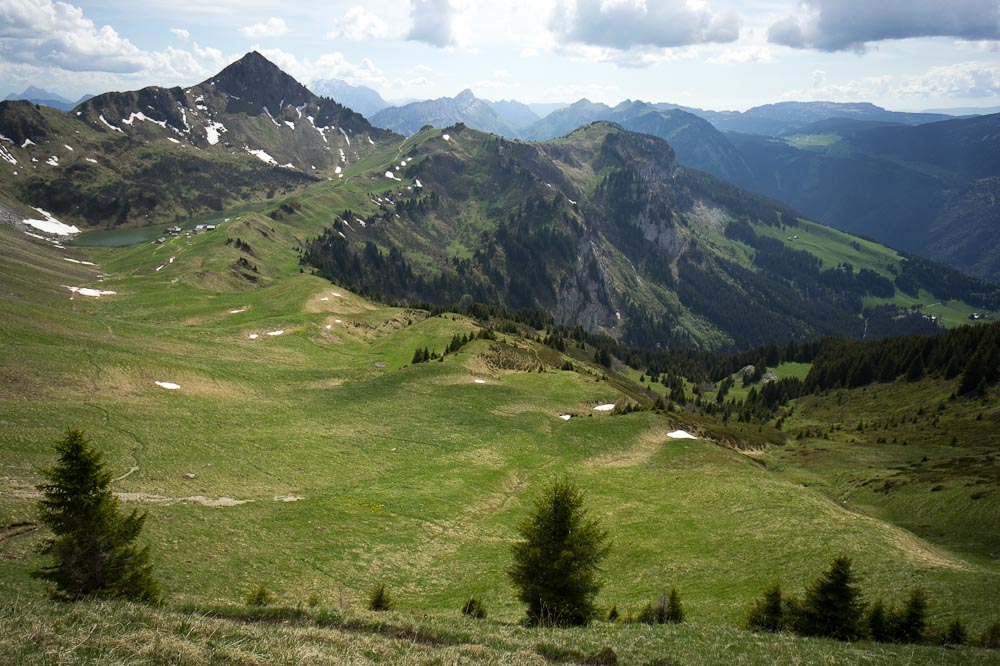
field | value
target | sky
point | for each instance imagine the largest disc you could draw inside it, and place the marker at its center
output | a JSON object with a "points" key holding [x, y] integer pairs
{"points": [[712, 54]]}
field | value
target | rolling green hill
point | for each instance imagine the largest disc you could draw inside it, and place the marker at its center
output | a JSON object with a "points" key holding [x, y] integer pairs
{"points": [[303, 451]]}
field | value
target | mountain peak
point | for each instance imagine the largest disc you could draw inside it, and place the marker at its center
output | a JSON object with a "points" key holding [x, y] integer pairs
{"points": [[256, 82], [465, 96]]}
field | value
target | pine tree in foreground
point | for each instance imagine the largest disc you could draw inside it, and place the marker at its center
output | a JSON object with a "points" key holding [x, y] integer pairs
{"points": [[92, 542], [556, 562], [832, 605]]}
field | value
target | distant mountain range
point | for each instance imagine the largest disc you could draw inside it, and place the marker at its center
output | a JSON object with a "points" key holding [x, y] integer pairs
{"points": [[602, 227], [46, 98], [362, 99], [464, 108], [920, 182], [932, 189]]}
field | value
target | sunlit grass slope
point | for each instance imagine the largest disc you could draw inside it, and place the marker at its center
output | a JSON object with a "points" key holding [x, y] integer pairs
{"points": [[303, 451]]}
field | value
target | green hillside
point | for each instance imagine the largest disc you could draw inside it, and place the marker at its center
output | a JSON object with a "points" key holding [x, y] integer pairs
{"points": [[604, 229], [318, 461]]}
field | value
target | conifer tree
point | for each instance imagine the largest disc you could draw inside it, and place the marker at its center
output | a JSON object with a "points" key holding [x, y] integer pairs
{"points": [[832, 605], [92, 542], [556, 562], [767, 612]]}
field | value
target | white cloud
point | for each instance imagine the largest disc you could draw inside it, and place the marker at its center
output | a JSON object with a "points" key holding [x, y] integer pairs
{"points": [[272, 27], [54, 41], [58, 35], [744, 54], [962, 80], [982, 45], [965, 80], [641, 26], [840, 25], [358, 24], [635, 57], [181, 33], [326, 66], [441, 23]]}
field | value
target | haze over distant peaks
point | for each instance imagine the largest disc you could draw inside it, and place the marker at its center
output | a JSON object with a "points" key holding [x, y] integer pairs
{"points": [[37, 95], [362, 99]]}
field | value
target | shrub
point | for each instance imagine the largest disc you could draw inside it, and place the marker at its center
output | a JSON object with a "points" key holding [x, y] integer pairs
{"points": [[913, 621], [379, 599], [879, 622], [767, 612], [675, 613], [313, 600], [613, 613], [474, 608], [666, 609], [259, 596], [991, 636], [327, 618], [955, 634]]}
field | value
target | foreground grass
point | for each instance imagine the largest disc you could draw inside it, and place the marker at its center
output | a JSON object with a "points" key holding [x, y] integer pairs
{"points": [[115, 633]]}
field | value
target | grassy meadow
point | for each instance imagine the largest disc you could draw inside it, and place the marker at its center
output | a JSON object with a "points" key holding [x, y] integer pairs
{"points": [[304, 452]]}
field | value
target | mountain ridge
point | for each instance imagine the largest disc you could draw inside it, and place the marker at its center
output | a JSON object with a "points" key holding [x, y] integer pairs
{"points": [[129, 157]]}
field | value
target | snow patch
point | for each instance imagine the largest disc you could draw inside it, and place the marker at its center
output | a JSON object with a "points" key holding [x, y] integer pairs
{"points": [[271, 117], [91, 160], [446, 137], [605, 408], [680, 434], [27, 142], [68, 147], [212, 131], [275, 333], [390, 175], [141, 116], [6, 156], [77, 261], [346, 138], [87, 291], [290, 124], [168, 385], [52, 161], [170, 138], [338, 170], [565, 417], [51, 225], [117, 129], [479, 381], [261, 155], [254, 336]]}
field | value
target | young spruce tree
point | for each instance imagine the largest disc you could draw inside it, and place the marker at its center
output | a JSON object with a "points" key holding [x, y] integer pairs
{"points": [[832, 605], [557, 561], [92, 542]]}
